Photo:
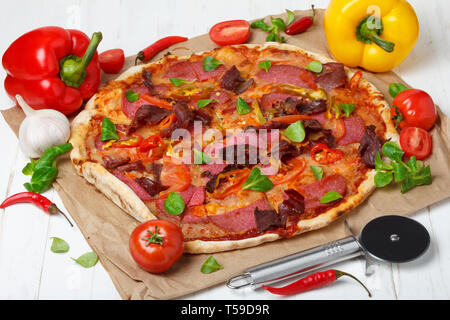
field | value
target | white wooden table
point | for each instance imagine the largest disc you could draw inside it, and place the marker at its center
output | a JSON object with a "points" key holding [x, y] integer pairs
{"points": [[29, 270]]}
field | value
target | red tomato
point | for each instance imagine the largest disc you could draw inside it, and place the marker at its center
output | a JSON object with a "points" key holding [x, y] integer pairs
{"points": [[176, 176], [231, 183], [415, 142], [416, 107], [230, 32], [111, 61], [156, 245], [289, 171]]}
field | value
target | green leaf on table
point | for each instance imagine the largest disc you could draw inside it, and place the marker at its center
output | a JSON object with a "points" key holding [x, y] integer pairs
{"points": [[210, 265], [396, 88], [108, 130], [295, 132], [59, 245], [29, 168], [87, 260], [382, 179], [174, 204], [391, 150], [400, 171], [278, 22], [290, 17], [257, 181]]}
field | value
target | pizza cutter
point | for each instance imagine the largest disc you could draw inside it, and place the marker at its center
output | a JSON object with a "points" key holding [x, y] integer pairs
{"points": [[391, 238]]}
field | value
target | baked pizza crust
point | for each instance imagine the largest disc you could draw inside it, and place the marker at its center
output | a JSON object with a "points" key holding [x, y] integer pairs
{"points": [[125, 198]]}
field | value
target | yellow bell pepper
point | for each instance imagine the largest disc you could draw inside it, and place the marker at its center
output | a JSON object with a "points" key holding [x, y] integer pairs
{"points": [[376, 35]]}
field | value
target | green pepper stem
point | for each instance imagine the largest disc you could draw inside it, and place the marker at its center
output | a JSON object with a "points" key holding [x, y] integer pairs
{"points": [[73, 68], [369, 34], [383, 44], [339, 274]]}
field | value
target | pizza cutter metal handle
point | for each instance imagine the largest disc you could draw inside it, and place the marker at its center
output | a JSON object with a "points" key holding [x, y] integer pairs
{"points": [[297, 264]]}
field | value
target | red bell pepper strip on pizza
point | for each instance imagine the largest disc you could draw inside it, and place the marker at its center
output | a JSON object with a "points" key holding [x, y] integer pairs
{"points": [[313, 281], [52, 67], [36, 199], [158, 46], [321, 153]]}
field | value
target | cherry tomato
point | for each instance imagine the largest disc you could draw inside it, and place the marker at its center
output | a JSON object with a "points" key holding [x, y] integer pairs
{"points": [[111, 61], [151, 142], [174, 175], [416, 107], [415, 142], [230, 32], [289, 171], [156, 245]]}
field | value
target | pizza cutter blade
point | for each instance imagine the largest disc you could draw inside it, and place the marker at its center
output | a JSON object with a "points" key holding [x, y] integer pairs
{"points": [[391, 238]]}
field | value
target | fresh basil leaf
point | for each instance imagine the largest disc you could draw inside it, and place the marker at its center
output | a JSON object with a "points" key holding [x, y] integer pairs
{"points": [[242, 107], [317, 172], [260, 24], [271, 37], [177, 82], [407, 184], [48, 159], [330, 197], [382, 179], [59, 245], [211, 63], [108, 130], [295, 132], [290, 17], [422, 177], [87, 260], [314, 66], [399, 171], [201, 158], [174, 204], [391, 150], [414, 164], [204, 102], [279, 23], [29, 168], [132, 96], [348, 108], [265, 65], [396, 88], [210, 265], [257, 181]]}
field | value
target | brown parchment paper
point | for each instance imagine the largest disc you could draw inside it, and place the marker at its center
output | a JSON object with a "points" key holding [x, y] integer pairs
{"points": [[107, 228]]}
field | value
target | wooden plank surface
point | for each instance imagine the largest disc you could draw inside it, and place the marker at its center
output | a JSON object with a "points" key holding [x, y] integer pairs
{"points": [[29, 270]]}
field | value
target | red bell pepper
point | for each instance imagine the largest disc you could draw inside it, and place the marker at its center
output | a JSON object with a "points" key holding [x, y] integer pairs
{"points": [[52, 67]]}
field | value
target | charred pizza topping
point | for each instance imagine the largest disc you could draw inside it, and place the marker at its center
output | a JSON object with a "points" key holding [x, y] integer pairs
{"points": [[369, 146], [148, 114], [153, 188], [134, 166], [267, 219], [110, 163], [147, 77], [312, 107], [233, 81]]}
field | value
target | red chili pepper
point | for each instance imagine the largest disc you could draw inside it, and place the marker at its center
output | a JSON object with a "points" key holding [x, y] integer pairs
{"points": [[54, 68], [321, 153], [313, 281], [131, 142], [158, 46], [151, 142], [36, 199], [302, 24]]}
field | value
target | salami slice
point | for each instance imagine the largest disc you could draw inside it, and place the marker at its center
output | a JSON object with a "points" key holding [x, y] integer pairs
{"points": [[140, 192], [282, 73], [354, 130], [315, 191], [268, 100], [130, 108]]}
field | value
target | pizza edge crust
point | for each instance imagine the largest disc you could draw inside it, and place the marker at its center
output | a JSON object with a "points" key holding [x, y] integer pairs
{"points": [[126, 199]]}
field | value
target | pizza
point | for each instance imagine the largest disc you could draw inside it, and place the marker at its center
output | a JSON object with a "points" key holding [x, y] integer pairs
{"points": [[237, 146]]}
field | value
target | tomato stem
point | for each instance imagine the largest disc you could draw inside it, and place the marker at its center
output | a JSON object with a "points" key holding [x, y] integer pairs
{"points": [[155, 238]]}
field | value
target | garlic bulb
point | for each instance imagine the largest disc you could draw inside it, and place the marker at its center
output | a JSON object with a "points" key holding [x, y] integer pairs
{"points": [[41, 129]]}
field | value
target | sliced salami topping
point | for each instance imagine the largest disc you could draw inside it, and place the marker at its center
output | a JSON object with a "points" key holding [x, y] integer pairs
{"points": [[221, 96], [203, 75], [241, 219], [354, 130], [140, 192], [214, 168], [198, 197], [293, 205], [130, 108], [182, 70], [369, 146], [315, 191], [148, 114], [152, 187], [332, 76], [110, 163], [189, 217], [281, 73]]}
